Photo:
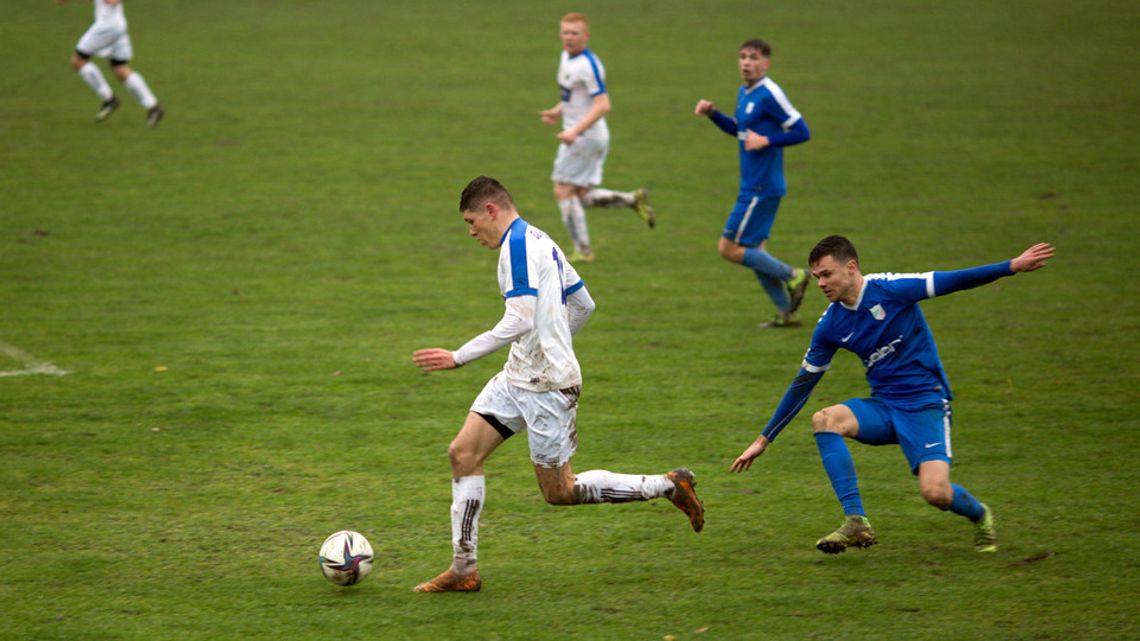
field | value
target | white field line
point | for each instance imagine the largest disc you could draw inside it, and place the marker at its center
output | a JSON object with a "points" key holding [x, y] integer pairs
{"points": [[32, 365]]}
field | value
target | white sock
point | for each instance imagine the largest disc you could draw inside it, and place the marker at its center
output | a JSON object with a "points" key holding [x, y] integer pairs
{"points": [[599, 197], [574, 217], [137, 86], [466, 504], [94, 79], [601, 486]]}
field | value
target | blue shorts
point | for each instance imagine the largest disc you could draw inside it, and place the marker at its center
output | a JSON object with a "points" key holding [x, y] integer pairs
{"points": [[751, 220], [923, 435]]}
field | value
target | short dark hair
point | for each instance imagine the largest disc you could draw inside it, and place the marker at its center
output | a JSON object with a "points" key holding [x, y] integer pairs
{"points": [[763, 47], [838, 247], [484, 189]]}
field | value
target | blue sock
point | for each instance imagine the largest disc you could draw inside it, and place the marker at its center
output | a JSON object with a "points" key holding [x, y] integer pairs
{"points": [[840, 469], [762, 262], [776, 290], [965, 504]]}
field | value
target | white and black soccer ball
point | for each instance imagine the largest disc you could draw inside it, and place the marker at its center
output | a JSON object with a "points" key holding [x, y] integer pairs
{"points": [[346, 557]]}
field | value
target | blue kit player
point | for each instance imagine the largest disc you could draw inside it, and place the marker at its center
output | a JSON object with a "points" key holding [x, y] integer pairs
{"points": [[877, 317], [765, 123]]}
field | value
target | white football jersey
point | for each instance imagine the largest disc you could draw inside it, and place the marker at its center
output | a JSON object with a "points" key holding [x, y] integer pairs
{"points": [[531, 264], [581, 78], [109, 13]]}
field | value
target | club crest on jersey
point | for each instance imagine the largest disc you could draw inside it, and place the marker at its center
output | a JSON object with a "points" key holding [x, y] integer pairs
{"points": [[748, 109], [877, 312]]}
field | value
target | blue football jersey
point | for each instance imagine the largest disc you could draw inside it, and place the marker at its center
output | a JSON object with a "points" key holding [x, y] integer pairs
{"points": [[766, 110], [887, 331]]}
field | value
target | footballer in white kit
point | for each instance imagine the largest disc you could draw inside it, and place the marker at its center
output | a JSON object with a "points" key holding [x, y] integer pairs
{"points": [[581, 78], [108, 38], [584, 139], [546, 304]]}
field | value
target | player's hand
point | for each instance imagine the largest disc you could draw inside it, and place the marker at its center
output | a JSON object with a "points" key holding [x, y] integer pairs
{"points": [[567, 137], [744, 461], [1032, 259], [704, 108], [432, 359], [549, 116], [754, 141]]}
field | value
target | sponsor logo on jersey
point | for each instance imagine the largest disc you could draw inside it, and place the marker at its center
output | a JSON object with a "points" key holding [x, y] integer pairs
{"points": [[882, 352], [878, 313]]}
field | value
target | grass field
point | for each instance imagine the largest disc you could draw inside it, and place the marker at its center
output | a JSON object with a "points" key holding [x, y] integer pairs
{"points": [[285, 239]]}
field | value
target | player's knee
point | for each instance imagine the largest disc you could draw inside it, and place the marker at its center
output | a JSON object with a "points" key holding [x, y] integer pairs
{"points": [[463, 460], [938, 494], [826, 420], [730, 251], [77, 61]]}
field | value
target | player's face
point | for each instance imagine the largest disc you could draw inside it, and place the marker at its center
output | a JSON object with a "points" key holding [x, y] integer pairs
{"points": [[574, 37], [481, 226], [753, 65], [836, 280]]}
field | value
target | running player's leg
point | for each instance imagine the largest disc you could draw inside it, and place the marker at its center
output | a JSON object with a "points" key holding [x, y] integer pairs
{"points": [[574, 219], [577, 167], [93, 41], [553, 439], [476, 440], [744, 241], [121, 54], [560, 486]]}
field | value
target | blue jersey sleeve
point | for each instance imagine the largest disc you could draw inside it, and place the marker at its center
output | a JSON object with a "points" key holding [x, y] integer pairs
{"points": [[726, 123], [798, 393], [912, 288], [955, 281], [794, 136]]}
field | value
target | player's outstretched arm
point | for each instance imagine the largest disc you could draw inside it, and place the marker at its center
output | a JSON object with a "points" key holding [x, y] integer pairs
{"points": [[1032, 259], [517, 320], [794, 398]]}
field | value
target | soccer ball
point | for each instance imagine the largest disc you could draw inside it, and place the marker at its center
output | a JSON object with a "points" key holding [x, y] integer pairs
{"points": [[346, 557]]}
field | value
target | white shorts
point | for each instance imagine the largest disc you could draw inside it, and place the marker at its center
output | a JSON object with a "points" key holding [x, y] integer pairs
{"points": [[106, 40], [580, 164], [548, 418]]}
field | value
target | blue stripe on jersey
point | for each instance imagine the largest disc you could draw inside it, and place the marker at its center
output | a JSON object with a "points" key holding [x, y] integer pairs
{"points": [[516, 245], [597, 74], [575, 287]]}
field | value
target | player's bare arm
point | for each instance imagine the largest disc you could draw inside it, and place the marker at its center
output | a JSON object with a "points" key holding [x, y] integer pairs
{"points": [[744, 461], [600, 108], [704, 107], [433, 358], [1032, 259]]}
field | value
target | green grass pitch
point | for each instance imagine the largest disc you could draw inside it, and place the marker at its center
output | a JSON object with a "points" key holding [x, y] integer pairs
{"points": [[286, 238]]}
